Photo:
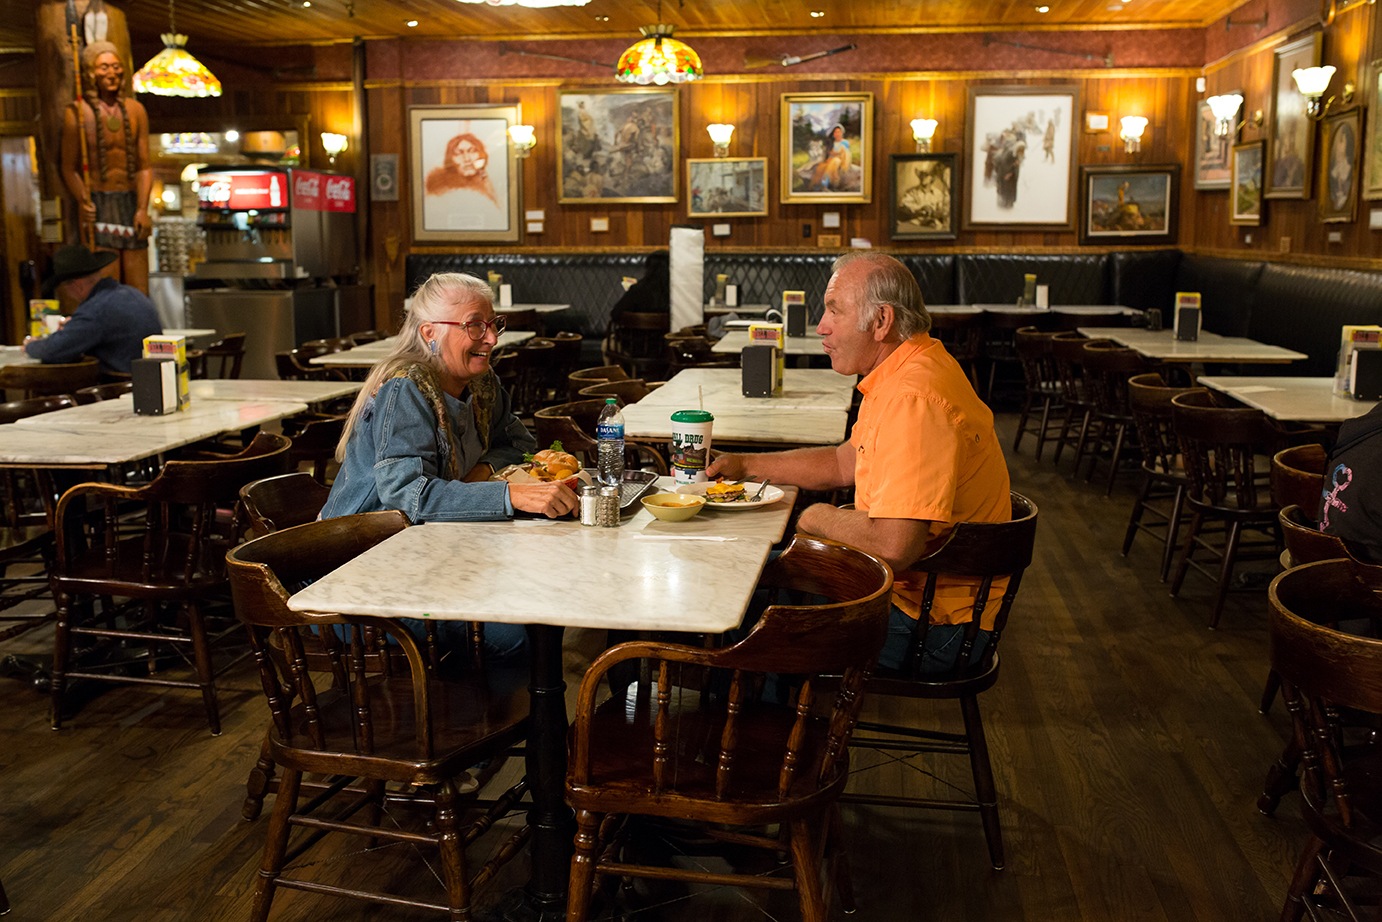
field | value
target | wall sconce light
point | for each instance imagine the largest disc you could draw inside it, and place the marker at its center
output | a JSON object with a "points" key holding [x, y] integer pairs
{"points": [[1132, 128], [333, 144], [523, 140], [720, 134], [1224, 108], [1312, 82], [923, 130]]}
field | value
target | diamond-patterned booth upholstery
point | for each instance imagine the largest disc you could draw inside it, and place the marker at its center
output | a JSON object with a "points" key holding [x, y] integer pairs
{"points": [[996, 278], [1144, 279], [762, 278], [1228, 291], [589, 282], [1304, 308]]}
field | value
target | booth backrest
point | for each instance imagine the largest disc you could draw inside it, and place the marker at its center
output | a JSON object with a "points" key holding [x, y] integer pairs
{"points": [[1143, 279], [589, 282], [1304, 308], [1299, 307], [996, 278]]}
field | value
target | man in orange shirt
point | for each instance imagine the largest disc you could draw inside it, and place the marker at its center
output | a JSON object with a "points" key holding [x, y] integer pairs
{"points": [[922, 456]]}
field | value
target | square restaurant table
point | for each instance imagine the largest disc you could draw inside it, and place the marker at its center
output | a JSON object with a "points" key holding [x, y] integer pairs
{"points": [[250, 389], [1074, 310], [736, 340], [1304, 400], [1163, 346], [370, 354], [540, 308], [15, 355], [722, 390], [645, 575]]}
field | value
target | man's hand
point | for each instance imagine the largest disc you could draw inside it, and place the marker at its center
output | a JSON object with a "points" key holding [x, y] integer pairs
{"points": [[728, 465], [89, 211], [143, 225], [549, 499]]}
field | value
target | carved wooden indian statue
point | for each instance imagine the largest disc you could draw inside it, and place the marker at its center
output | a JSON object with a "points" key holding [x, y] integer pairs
{"points": [[110, 174]]}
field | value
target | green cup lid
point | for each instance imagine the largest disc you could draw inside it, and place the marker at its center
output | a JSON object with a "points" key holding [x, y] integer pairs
{"points": [[693, 416]]}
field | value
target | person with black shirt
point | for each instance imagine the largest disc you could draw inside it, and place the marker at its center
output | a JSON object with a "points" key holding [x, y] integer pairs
{"points": [[1351, 502]]}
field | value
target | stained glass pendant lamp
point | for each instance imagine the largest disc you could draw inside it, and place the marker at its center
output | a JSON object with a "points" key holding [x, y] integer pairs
{"points": [[174, 72], [658, 59]]}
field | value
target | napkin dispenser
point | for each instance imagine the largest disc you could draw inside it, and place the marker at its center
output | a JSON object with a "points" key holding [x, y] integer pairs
{"points": [[1187, 317], [758, 368], [155, 383], [794, 312], [175, 348], [1365, 374]]}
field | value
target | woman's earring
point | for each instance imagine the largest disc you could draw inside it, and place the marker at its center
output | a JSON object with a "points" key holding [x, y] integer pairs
{"points": [[433, 345]]}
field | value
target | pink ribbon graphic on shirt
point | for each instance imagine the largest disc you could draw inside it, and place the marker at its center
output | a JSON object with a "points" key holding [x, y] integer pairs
{"points": [[1331, 499]]}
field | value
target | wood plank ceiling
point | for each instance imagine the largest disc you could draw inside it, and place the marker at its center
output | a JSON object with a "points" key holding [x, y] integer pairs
{"points": [[279, 21]]}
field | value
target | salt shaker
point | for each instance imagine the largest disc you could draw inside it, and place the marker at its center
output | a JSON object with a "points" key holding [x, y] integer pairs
{"points": [[590, 504]]}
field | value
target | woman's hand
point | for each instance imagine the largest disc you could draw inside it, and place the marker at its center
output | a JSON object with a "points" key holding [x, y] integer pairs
{"points": [[549, 499]]}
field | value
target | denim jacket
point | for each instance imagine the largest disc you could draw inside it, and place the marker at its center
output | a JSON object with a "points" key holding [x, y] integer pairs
{"points": [[393, 459]]}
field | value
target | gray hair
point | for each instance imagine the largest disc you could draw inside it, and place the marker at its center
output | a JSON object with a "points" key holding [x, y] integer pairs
{"points": [[435, 299], [888, 282]]}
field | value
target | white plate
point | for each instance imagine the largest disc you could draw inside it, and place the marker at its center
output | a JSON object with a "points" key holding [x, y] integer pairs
{"points": [[771, 495]]}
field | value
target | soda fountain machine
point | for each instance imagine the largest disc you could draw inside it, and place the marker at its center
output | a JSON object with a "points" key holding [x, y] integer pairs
{"points": [[280, 248]]}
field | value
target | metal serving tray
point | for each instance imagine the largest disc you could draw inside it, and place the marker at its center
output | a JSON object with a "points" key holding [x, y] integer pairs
{"points": [[636, 485]]}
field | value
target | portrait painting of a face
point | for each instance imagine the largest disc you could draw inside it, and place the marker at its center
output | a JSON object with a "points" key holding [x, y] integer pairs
{"points": [[465, 178], [1339, 171]]}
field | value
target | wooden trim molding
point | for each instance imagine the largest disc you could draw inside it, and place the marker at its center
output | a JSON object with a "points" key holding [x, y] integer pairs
{"points": [[1299, 27], [1295, 259]]}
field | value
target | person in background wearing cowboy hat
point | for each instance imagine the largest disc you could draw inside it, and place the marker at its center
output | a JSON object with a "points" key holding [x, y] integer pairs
{"points": [[110, 321]]}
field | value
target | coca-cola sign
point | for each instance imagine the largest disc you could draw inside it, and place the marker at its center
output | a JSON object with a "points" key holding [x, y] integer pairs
{"points": [[242, 191], [323, 192]]}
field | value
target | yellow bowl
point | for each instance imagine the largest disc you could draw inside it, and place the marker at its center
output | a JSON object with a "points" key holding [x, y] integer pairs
{"points": [[673, 507]]}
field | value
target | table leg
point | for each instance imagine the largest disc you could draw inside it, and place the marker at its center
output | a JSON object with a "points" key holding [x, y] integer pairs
{"points": [[543, 899]]}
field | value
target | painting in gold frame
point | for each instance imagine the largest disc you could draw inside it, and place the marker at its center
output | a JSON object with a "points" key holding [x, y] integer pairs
{"points": [[1245, 191], [1339, 167], [618, 146], [1291, 140], [1370, 182], [827, 148]]}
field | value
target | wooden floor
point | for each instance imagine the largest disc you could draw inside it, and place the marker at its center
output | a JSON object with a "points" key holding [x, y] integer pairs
{"points": [[1126, 742]]}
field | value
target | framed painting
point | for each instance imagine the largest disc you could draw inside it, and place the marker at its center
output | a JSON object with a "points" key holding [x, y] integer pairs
{"points": [[1246, 184], [727, 187], [1020, 147], [1371, 179], [924, 204], [1339, 169], [618, 146], [466, 180], [1291, 135], [1129, 203], [827, 148], [1212, 151]]}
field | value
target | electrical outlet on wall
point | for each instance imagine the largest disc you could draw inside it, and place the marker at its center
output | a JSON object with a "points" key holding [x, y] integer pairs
{"points": [[1284, 245], [806, 230], [1247, 238]]}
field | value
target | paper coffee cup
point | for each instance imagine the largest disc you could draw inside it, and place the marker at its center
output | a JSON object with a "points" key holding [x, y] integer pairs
{"points": [[690, 445]]}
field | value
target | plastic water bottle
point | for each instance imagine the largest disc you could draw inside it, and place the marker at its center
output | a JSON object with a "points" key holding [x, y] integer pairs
{"points": [[609, 430]]}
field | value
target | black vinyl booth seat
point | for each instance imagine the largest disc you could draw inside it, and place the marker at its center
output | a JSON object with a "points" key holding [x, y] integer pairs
{"points": [[1298, 307]]}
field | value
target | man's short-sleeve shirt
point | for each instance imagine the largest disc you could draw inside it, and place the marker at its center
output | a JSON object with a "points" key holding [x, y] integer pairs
{"points": [[925, 448]]}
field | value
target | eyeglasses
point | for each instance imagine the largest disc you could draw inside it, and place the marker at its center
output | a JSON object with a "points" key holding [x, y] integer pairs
{"points": [[477, 328]]}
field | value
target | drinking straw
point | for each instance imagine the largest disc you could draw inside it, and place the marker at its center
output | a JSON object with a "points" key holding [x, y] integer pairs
{"points": [[700, 395]]}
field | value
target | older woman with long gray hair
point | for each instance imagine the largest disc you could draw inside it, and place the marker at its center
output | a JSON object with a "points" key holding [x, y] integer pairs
{"points": [[431, 423]]}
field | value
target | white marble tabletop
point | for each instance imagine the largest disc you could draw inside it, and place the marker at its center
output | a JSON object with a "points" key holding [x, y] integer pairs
{"points": [[15, 355], [644, 575], [540, 308], [755, 309], [1077, 310], [722, 390], [247, 389], [201, 420], [1210, 347], [736, 340], [370, 354], [767, 426], [192, 333], [1305, 400], [38, 446]]}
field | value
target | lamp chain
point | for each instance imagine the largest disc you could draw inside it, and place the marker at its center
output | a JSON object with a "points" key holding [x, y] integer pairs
{"points": [[172, 22]]}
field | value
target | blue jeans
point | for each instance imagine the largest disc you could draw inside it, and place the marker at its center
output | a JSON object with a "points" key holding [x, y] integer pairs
{"points": [[942, 644]]}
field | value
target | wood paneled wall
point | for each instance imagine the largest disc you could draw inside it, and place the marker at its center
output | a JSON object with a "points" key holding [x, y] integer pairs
{"points": [[1292, 228]]}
